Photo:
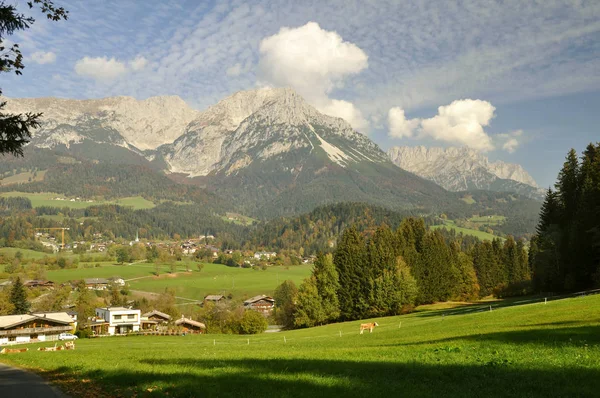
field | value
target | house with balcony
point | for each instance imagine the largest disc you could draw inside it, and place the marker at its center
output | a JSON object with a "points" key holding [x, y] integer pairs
{"points": [[116, 320], [29, 328], [262, 303]]}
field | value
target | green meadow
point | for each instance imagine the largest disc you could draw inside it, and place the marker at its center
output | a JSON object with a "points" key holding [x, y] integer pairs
{"points": [[220, 279], [449, 224], [533, 350], [11, 251], [48, 199]]}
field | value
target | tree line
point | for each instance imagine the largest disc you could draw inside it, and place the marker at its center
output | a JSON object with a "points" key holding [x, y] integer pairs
{"points": [[565, 251], [388, 272]]}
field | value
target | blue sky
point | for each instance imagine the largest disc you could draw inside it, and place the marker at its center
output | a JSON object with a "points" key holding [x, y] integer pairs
{"points": [[517, 79]]}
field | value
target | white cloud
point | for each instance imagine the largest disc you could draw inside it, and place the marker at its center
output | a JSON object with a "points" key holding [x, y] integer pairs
{"points": [[234, 70], [138, 63], [100, 68], [461, 122], [313, 61], [401, 127], [347, 111], [511, 141], [41, 57]]}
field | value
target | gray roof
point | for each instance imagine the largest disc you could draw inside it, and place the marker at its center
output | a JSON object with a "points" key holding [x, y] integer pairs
{"points": [[155, 312], [96, 281], [9, 321], [214, 297], [258, 298]]}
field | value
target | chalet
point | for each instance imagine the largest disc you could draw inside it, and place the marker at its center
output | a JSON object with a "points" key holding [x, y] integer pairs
{"points": [[158, 316], [116, 320], [214, 298], [265, 255], [263, 304], [190, 326], [15, 329], [153, 320], [97, 283], [39, 283]]}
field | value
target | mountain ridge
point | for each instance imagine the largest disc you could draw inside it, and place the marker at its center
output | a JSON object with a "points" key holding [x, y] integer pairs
{"points": [[461, 169]]}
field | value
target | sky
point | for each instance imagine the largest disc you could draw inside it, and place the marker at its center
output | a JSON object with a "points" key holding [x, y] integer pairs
{"points": [[518, 80]]}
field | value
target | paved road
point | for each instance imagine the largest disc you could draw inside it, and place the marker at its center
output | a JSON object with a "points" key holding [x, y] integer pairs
{"points": [[18, 383]]}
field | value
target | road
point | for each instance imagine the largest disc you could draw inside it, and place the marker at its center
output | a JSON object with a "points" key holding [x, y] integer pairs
{"points": [[18, 383]]}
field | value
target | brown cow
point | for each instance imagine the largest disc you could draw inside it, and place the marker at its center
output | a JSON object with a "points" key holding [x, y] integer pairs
{"points": [[370, 326]]}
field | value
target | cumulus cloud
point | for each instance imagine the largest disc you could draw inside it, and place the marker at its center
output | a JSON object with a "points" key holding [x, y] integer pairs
{"points": [[234, 70], [314, 62], [401, 127], [41, 57], [511, 141], [100, 68], [138, 63], [461, 122]]}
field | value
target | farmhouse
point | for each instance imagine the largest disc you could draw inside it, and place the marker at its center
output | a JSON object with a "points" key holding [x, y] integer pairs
{"points": [[190, 326], [97, 283], [158, 316], [39, 283], [117, 280], [116, 320], [214, 298], [15, 329], [263, 304]]}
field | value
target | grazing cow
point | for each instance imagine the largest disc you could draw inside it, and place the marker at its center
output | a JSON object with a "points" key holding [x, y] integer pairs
{"points": [[13, 350], [370, 326]]}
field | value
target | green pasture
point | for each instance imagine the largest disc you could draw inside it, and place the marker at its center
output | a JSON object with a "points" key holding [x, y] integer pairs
{"points": [[48, 199], [11, 251], [108, 270], [449, 224], [220, 279], [23, 178], [490, 220], [533, 350]]}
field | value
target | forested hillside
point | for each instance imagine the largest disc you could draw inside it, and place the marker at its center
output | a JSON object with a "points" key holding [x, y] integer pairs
{"points": [[565, 251]]}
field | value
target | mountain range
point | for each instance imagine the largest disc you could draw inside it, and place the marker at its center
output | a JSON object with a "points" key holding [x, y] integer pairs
{"points": [[464, 169], [266, 151]]}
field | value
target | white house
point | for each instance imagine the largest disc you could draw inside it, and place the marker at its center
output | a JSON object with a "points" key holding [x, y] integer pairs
{"points": [[117, 320], [26, 328], [267, 255]]}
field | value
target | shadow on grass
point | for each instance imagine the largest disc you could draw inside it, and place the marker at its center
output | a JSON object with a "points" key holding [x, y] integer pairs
{"points": [[576, 335], [252, 377]]}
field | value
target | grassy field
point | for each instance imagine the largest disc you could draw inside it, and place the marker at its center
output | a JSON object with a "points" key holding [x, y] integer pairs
{"points": [[23, 178], [10, 251], [48, 199], [220, 279], [449, 224], [533, 350], [485, 220]]}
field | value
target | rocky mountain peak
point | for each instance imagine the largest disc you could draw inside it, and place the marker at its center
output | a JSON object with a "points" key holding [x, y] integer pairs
{"points": [[459, 169]]}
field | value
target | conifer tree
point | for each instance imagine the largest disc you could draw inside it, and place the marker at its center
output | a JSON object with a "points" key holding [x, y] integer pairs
{"points": [[436, 275], [18, 298], [328, 285], [350, 262]]}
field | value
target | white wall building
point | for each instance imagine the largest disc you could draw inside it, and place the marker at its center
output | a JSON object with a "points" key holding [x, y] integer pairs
{"points": [[120, 320], [28, 328]]}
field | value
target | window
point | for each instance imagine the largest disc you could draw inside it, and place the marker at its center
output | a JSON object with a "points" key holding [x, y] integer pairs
{"points": [[131, 316], [117, 317], [12, 338]]}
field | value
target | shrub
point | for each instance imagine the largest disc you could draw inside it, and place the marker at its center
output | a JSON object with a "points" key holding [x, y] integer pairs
{"points": [[252, 323]]}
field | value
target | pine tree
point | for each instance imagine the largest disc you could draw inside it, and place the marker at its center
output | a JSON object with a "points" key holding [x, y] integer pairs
{"points": [[18, 298], [350, 262], [328, 285], [467, 287], [436, 275], [510, 258]]}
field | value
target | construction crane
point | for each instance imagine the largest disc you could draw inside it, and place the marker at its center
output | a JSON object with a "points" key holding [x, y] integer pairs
{"points": [[62, 246]]}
